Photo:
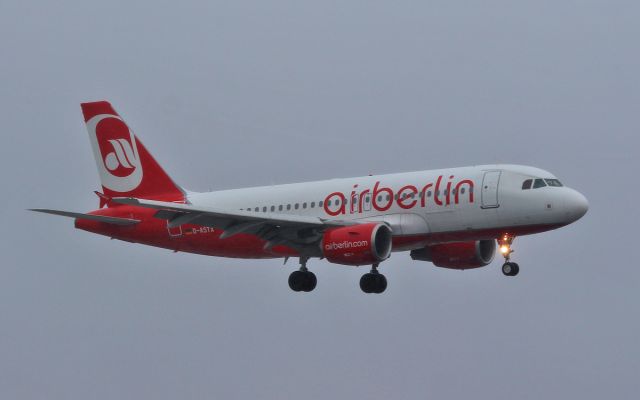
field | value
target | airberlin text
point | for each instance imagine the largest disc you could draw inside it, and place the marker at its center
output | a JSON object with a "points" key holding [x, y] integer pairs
{"points": [[381, 198], [346, 245]]}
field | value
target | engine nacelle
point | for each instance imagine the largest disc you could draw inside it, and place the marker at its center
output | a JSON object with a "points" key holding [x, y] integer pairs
{"points": [[357, 245], [461, 255]]}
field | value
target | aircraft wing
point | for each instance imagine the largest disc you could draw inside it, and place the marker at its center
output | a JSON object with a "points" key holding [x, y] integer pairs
{"points": [[296, 231]]}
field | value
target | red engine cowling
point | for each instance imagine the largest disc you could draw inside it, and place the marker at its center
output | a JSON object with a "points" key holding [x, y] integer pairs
{"points": [[357, 245], [462, 255]]}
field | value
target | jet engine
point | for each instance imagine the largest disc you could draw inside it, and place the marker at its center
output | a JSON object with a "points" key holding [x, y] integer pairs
{"points": [[358, 244], [460, 255]]}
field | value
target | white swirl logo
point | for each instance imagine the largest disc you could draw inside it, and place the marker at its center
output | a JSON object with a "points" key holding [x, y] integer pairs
{"points": [[122, 157], [116, 155]]}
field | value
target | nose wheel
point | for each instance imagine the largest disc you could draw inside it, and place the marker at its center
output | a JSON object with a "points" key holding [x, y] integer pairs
{"points": [[302, 280], [509, 268]]}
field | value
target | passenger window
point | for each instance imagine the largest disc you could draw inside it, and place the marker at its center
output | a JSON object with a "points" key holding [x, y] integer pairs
{"points": [[288, 207], [264, 209], [538, 183], [273, 208], [527, 184], [257, 209], [320, 203], [313, 204], [304, 205], [280, 207]]}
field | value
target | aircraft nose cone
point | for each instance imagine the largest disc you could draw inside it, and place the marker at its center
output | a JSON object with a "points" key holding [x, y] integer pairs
{"points": [[577, 205]]}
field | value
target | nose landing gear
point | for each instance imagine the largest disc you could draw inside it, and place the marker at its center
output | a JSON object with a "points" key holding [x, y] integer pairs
{"points": [[509, 268], [302, 280]]}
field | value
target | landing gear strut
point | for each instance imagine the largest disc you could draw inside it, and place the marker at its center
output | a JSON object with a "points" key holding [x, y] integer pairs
{"points": [[509, 268], [374, 281], [302, 280]]}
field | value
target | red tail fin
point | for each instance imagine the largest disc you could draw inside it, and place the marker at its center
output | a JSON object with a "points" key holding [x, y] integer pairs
{"points": [[125, 166]]}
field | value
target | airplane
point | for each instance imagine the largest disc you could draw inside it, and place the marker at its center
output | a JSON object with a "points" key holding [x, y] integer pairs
{"points": [[455, 218]]}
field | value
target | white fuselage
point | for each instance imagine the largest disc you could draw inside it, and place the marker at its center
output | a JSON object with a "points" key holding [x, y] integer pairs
{"points": [[459, 201]]}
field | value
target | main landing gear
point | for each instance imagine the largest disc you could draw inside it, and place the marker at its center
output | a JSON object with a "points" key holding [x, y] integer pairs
{"points": [[374, 281], [509, 268], [302, 280]]}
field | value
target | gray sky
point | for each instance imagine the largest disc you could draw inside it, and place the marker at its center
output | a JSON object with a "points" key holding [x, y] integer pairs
{"points": [[242, 93]]}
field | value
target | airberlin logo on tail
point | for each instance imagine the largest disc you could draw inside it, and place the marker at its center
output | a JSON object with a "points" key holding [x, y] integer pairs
{"points": [[114, 148], [121, 157]]}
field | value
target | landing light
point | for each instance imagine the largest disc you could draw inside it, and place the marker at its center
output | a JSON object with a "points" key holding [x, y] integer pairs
{"points": [[504, 249]]}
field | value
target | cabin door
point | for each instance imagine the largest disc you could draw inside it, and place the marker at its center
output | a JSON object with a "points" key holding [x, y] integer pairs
{"points": [[490, 184]]}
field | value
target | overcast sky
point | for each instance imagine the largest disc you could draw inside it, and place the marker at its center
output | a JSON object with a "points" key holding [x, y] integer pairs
{"points": [[241, 93]]}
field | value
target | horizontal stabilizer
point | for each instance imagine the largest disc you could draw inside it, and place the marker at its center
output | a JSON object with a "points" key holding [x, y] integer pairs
{"points": [[100, 218]]}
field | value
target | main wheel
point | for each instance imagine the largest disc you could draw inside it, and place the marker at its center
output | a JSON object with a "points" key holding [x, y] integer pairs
{"points": [[373, 283], [381, 283], [310, 281], [296, 281], [367, 283], [302, 281]]}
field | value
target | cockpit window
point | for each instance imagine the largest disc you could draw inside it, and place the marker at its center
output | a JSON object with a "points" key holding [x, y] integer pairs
{"points": [[527, 184], [538, 183], [553, 182]]}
